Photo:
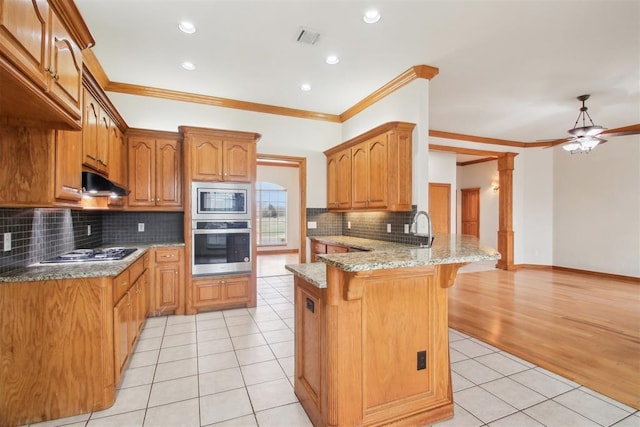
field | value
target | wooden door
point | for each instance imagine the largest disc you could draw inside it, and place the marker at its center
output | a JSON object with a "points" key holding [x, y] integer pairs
{"points": [[332, 182], [470, 206], [359, 176], [117, 156], [68, 166], [344, 179], [168, 175], [166, 283], [142, 172], [377, 170], [121, 316], [238, 160], [440, 207], [90, 123], [104, 123], [206, 159]]}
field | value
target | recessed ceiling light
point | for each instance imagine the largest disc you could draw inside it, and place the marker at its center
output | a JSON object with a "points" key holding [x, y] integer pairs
{"points": [[188, 65], [187, 27], [305, 87], [332, 59], [371, 17]]}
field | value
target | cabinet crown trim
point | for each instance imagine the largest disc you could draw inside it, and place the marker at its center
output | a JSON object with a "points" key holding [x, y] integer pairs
{"points": [[221, 133], [386, 127]]}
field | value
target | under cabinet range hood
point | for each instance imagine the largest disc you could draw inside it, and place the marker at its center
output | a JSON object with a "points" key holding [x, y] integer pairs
{"points": [[95, 185]]}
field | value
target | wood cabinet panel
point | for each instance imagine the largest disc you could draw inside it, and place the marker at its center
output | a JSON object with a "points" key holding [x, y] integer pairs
{"points": [[372, 171], [90, 126], [309, 317], [68, 166], [239, 159], [155, 171], [206, 159], [219, 292], [167, 288], [121, 317]]}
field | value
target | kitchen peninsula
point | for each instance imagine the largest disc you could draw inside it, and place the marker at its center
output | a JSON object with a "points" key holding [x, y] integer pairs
{"points": [[371, 339]]}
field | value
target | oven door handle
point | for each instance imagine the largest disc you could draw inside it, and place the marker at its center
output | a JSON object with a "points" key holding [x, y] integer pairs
{"points": [[224, 231]]}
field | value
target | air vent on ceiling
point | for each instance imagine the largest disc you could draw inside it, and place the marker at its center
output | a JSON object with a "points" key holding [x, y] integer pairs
{"points": [[307, 36]]}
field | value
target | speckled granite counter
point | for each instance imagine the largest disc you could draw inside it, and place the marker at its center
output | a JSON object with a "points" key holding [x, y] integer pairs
{"points": [[447, 249], [359, 243], [75, 270]]}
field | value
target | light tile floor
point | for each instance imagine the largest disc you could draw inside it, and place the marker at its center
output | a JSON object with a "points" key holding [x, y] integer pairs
{"points": [[235, 368]]}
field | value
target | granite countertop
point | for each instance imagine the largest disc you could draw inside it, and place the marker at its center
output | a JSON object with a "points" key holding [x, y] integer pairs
{"points": [[75, 270], [360, 243], [447, 249]]}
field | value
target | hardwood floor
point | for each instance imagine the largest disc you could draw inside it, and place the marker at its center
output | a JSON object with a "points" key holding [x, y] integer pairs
{"points": [[583, 327]]}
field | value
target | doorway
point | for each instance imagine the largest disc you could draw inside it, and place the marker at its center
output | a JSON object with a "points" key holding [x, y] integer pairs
{"points": [[440, 207], [470, 211], [274, 259]]}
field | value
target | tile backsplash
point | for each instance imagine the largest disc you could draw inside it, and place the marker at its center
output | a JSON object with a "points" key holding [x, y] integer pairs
{"points": [[39, 234], [367, 225]]}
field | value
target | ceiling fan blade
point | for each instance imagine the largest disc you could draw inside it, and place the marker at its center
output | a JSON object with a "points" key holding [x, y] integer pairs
{"points": [[626, 130]]}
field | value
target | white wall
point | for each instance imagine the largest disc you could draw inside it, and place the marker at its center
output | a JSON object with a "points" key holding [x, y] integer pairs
{"points": [[597, 208], [280, 134], [442, 169], [481, 175], [288, 178]]}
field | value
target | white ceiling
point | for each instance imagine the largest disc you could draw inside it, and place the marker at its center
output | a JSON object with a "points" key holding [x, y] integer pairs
{"points": [[509, 69]]}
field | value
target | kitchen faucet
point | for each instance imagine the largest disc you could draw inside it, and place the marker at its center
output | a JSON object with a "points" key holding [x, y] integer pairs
{"points": [[414, 228]]}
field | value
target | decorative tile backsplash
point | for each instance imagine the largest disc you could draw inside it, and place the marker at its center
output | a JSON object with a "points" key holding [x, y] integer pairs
{"points": [[39, 234], [367, 225]]}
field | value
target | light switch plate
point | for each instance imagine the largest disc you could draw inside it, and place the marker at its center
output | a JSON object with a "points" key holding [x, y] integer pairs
{"points": [[406, 229], [349, 224], [88, 230], [312, 225], [388, 228], [141, 227]]}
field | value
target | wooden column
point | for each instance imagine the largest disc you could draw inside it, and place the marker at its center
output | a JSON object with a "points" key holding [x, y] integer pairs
{"points": [[505, 211]]}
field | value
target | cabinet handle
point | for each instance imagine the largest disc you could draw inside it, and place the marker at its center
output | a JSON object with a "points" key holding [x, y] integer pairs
{"points": [[91, 157], [167, 256]]}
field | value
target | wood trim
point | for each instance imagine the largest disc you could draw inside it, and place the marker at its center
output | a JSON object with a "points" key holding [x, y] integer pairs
{"points": [[278, 164], [460, 150], [90, 61], [72, 19], [597, 273], [161, 134], [473, 162], [301, 163], [277, 251], [399, 126], [215, 101], [413, 73], [94, 87], [219, 133], [462, 137], [505, 211]]}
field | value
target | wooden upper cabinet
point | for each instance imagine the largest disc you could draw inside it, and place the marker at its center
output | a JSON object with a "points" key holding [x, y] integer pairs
{"points": [[68, 165], [41, 78], [372, 171], [206, 159], [155, 170], [117, 156], [220, 155], [90, 125], [24, 35]]}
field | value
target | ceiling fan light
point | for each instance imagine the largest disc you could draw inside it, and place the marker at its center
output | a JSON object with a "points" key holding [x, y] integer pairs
{"points": [[571, 146]]}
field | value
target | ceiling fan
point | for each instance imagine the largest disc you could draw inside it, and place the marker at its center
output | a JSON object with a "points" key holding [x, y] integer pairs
{"points": [[586, 137]]}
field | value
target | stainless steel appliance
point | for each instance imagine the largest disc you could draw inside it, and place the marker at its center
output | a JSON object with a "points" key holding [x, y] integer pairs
{"points": [[89, 255], [221, 200], [221, 247]]}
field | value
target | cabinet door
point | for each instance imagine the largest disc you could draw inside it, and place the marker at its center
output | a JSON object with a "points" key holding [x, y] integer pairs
{"points": [[142, 172], [68, 166], [102, 146], [335, 249], [168, 173], [65, 68], [167, 286], [344, 179], [377, 170], [121, 317], [235, 289], [332, 182], [206, 159], [207, 293], [117, 156], [90, 123], [239, 160], [23, 37], [359, 176]]}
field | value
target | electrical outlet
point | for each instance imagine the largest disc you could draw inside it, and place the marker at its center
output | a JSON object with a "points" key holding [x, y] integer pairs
{"points": [[406, 229], [7, 242], [312, 225], [388, 228], [349, 225], [141, 227], [422, 360], [88, 230]]}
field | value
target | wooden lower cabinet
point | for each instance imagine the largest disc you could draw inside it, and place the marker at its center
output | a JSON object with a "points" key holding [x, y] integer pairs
{"points": [[372, 347], [324, 248], [220, 292], [167, 290]]}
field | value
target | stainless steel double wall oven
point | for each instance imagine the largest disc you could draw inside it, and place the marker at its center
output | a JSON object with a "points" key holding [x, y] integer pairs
{"points": [[221, 227]]}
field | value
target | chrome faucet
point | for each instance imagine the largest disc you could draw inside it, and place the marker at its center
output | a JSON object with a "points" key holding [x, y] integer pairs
{"points": [[414, 228]]}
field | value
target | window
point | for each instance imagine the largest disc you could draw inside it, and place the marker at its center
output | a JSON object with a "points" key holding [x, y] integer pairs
{"points": [[271, 214]]}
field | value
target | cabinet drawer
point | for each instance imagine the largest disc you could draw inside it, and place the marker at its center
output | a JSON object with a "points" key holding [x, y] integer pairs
{"points": [[331, 249], [318, 248], [136, 269], [121, 285], [168, 255]]}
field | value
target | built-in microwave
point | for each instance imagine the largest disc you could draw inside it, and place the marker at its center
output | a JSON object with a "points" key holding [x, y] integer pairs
{"points": [[221, 200]]}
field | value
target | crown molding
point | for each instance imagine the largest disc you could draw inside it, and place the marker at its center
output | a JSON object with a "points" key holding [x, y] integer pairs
{"points": [[413, 73]]}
